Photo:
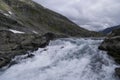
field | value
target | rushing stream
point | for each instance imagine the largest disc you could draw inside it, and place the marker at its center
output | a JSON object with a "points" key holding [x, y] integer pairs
{"points": [[64, 59]]}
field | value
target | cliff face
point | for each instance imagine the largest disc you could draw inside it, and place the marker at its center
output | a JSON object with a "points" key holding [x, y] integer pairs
{"points": [[112, 45]]}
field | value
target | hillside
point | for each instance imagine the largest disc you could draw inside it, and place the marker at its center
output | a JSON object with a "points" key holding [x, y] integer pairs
{"points": [[28, 16], [109, 30], [26, 26]]}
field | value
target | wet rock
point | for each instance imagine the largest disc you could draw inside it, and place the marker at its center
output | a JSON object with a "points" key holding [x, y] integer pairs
{"points": [[112, 45], [117, 71], [4, 61], [30, 55], [18, 44], [12, 63]]}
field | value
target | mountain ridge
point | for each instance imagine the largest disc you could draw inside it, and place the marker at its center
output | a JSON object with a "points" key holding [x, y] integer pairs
{"points": [[109, 30]]}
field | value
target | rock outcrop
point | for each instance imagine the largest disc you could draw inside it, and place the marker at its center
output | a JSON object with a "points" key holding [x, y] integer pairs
{"points": [[18, 44], [112, 45]]}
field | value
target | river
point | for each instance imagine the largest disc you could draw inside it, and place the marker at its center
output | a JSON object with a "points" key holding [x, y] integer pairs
{"points": [[64, 59]]}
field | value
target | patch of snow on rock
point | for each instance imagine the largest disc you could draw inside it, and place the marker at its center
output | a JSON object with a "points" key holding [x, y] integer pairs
{"points": [[35, 32], [15, 31], [10, 12], [6, 14]]}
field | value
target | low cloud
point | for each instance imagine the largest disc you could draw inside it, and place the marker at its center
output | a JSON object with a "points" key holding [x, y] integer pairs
{"points": [[90, 14]]}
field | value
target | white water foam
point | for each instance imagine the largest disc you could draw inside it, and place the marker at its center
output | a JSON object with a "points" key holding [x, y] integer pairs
{"points": [[64, 59]]}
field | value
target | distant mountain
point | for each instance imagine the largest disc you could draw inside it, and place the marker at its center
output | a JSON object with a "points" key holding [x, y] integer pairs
{"points": [[108, 30]]}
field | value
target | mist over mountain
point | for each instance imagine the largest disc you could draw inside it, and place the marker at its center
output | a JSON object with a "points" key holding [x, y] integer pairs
{"points": [[90, 14]]}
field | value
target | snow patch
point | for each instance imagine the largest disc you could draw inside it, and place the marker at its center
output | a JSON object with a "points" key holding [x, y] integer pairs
{"points": [[10, 12], [15, 31], [35, 32], [6, 14]]}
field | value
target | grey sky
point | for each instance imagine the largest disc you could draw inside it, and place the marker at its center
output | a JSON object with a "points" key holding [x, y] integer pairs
{"points": [[90, 14]]}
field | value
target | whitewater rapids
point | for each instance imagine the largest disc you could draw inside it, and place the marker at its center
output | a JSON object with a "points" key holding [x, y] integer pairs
{"points": [[64, 59]]}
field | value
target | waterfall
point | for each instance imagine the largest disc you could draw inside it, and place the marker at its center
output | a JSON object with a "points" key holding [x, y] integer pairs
{"points": [[64, 59]]}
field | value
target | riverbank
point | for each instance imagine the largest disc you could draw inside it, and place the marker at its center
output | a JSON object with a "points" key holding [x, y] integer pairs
{"points": [[111, 44]]}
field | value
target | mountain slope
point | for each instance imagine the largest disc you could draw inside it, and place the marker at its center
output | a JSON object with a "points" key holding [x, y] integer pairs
{"points": [[26, 26], [108, 30], [31, 17]]}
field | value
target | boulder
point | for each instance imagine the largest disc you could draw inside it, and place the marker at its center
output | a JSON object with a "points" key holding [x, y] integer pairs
{"points": [[111, 44], [17, 44], [117, 70]]}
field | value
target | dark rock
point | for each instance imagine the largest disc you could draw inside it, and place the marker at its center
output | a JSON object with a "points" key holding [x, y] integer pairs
{"points": [[18, 44], [112, 45], [117, 71], [4, 61], [12, 63], [30, 55], [45, 49]]}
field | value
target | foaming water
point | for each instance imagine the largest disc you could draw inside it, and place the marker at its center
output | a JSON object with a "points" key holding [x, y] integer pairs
{"points": [[64, 59]]}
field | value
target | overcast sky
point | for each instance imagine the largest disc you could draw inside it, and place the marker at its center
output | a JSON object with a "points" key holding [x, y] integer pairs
{"points": [[90, 14]]}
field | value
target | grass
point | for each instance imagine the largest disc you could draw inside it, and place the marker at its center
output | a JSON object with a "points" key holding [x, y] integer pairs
{"points": [[4, 6]]}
